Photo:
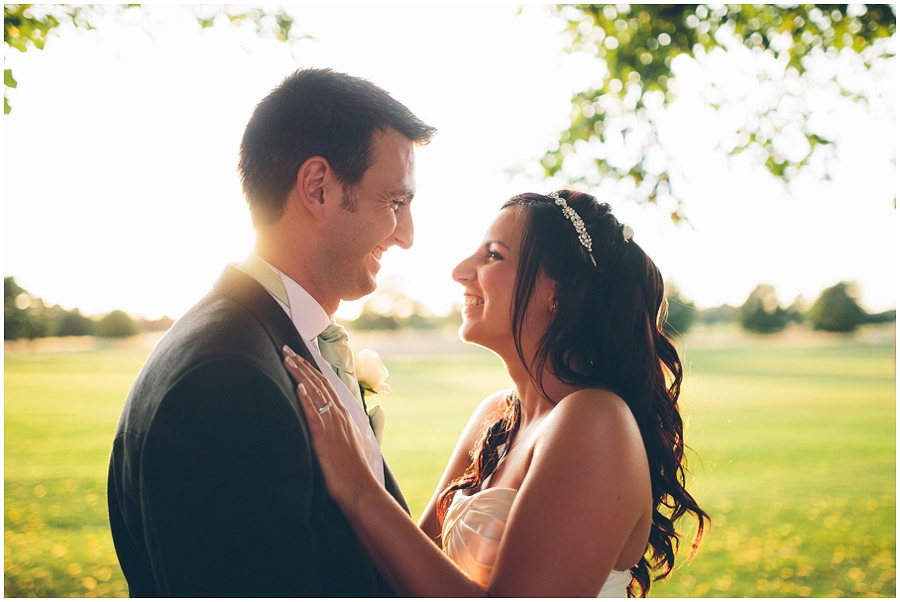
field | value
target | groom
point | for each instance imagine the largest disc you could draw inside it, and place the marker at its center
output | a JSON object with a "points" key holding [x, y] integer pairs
{"points": [[214, 489]]}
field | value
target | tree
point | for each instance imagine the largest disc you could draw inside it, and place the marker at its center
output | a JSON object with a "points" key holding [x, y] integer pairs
{"points": [[158, 325], [116, 324], [390, 309], [761, 312], [681, 312], [836, 309], [24, 316], [797, 310], [614, 125], [28, 26], [73, 324], [883, 317], [724, 314]]}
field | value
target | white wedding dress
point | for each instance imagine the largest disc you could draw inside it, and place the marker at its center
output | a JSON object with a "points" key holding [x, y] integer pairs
{"points": [[472, 530]]}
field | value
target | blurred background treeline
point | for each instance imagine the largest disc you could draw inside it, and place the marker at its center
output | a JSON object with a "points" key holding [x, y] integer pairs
{"points": [[837, 309]]}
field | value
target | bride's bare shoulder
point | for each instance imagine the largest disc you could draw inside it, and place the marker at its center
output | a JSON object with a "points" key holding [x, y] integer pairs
{"points": [[496, 401], [593, 412], [490, 408], [593, 400]]}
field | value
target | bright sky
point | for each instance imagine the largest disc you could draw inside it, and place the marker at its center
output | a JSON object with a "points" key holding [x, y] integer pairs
{"points": [[121, 191]]}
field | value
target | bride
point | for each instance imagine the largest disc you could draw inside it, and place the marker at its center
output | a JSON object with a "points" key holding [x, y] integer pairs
{"points": [[570, 484]]}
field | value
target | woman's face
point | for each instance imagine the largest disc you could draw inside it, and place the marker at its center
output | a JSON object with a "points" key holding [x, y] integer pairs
{"points": [[489, 278]]}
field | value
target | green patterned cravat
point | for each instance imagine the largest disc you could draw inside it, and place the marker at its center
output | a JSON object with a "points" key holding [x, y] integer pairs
{"points": [[334, 345]]}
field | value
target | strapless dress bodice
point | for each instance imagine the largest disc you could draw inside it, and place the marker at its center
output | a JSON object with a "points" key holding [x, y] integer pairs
{"points": [[473, 527]]}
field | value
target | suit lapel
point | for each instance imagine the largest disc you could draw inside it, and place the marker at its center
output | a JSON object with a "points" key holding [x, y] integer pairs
{"points": [[390, 483], [248, 292]]}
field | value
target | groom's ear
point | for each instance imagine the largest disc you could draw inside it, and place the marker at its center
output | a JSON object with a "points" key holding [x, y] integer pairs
{"points": [[314, 177]]}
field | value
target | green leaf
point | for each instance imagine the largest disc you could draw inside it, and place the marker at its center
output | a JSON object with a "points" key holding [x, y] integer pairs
{"points": [[638, 43]]}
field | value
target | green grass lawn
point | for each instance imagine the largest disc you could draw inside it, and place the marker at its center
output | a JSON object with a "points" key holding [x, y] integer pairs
{"points": [[793, 456]]}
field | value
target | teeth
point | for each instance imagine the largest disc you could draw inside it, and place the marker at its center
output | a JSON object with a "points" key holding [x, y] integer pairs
{"points": [[472, 301]]}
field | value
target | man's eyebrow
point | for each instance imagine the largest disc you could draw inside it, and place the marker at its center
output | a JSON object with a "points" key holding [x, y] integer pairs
{"points": [[406, 193]]}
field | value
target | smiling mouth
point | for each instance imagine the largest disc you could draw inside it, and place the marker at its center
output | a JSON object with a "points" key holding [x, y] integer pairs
{"points": [[472, 301]]}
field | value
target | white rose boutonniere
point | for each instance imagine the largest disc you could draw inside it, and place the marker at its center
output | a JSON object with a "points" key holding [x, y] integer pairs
{"points": [[371, 374]]}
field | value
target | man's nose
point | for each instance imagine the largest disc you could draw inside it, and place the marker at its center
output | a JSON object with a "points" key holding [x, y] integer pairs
{"points": [[404, 233]]}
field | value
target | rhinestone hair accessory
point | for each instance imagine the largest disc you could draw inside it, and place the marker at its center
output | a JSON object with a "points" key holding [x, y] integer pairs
{"points": [[583, 237]]}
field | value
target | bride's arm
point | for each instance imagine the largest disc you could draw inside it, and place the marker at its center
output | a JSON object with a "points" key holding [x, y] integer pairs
{"points": [[407, 559]]}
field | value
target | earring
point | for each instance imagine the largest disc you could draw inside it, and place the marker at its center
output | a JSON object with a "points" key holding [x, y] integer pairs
{"points": [[553, 307]]}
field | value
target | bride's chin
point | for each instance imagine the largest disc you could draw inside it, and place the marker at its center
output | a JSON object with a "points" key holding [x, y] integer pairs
{"points": [[471, 336], [465, 333]]}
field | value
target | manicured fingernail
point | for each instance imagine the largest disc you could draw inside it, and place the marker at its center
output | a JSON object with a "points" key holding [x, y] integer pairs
{"points": [[290, 362], [288, 350], [302, 388]]}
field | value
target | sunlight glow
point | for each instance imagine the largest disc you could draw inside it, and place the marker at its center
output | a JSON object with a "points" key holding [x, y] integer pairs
{"points": [[121, 190]]}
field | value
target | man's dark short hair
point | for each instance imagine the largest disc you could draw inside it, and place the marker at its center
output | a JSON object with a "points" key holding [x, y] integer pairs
{"points": [[316, 112]]}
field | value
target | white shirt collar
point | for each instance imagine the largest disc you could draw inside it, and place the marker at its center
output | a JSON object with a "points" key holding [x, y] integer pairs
{"points": [[307, 315], [305, 312], [310, 320]]}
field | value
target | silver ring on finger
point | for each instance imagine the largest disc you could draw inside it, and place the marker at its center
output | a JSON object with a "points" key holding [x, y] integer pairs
{"points": [[324, 408]]}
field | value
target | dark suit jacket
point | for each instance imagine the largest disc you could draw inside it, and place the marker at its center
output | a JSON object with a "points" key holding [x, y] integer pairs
{"points": [[214, 487]]}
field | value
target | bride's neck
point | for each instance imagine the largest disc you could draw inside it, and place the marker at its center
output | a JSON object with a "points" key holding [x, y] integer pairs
{"points": [[534, 404]]}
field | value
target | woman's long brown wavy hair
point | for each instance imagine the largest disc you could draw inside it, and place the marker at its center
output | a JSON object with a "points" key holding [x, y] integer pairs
{"points": [[606, 332]]}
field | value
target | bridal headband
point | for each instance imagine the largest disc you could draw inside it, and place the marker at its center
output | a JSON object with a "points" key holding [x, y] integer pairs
{"points": [[583, 237]]}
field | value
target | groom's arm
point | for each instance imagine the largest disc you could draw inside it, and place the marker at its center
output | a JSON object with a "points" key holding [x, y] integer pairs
{"points": [[226, 486]]}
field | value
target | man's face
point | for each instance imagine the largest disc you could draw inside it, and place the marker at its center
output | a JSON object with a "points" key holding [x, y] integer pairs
{"points": [[372, 216]]}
